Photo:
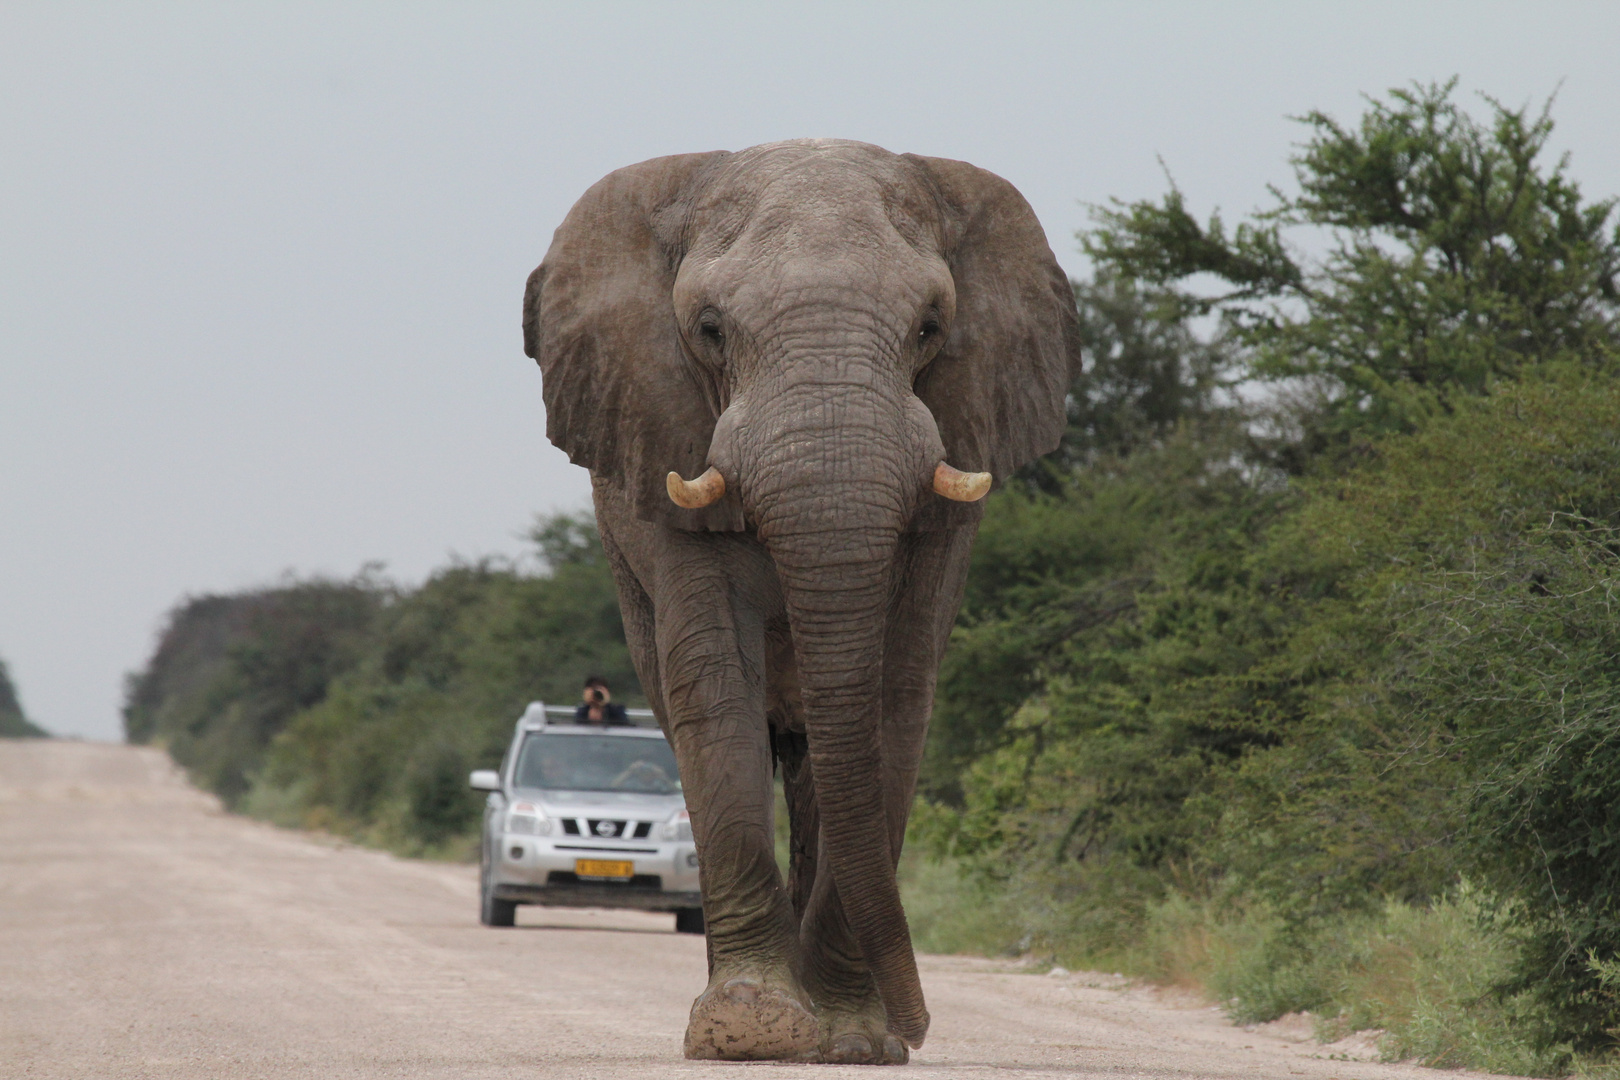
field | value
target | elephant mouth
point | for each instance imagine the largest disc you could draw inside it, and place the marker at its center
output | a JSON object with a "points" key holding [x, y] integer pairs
{"points": [[710, 487]]}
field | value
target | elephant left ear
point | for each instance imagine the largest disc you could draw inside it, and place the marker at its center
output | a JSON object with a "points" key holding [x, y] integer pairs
{"points": [[998, 387]]}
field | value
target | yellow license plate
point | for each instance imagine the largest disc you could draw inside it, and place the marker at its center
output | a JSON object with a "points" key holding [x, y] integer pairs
{"points": [[608, 868]]}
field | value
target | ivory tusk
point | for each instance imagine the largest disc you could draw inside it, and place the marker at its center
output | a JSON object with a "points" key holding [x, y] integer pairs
{"points": [[960, 486], [696, 494]]}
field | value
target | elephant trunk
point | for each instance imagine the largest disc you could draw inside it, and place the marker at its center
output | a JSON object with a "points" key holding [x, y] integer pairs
{"points": [[838, 619], [832, 523]]}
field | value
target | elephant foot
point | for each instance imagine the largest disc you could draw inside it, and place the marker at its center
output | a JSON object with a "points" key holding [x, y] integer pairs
{"points": [[860, 1038], [743, 1019]]}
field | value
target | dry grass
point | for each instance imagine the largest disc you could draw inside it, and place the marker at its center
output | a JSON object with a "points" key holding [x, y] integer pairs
{"points": [[1424, 977]]}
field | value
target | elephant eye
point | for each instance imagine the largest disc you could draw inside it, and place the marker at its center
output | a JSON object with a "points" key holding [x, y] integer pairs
{"points": [[930, 328], [709, 327]]}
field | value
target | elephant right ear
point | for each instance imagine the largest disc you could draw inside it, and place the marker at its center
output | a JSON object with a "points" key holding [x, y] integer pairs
{"points": [[622, 399]]}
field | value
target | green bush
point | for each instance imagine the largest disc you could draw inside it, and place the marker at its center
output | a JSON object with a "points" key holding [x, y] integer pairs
{"points": [[1392, 679], [1520, 656], [229, 672], [436, 794], [13, 724], [360, 707], [1483, 714], [1431, 978]]}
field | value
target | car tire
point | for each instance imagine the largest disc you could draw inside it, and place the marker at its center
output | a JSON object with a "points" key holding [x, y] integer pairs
{"points": [[493, 911], [689, 920]]}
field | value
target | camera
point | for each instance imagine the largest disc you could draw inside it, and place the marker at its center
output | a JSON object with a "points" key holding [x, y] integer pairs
{"points": [[596, 696]]}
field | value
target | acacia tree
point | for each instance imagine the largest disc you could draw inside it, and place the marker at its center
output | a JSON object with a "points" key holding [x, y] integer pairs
{"points": [[1147, 372], [1454, 258]]}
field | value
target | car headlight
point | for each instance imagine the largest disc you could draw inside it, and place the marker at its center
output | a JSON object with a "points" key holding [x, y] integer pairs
{"points": [[528, 819], [678, 827]]}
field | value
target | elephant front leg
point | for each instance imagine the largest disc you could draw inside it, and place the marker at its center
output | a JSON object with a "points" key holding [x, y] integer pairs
{"points": [[755, 1006]]}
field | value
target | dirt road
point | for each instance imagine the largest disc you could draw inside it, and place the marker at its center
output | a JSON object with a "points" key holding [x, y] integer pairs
{"points": [[144, 933]]}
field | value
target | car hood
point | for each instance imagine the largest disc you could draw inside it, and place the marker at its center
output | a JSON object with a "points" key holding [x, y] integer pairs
{"points": [[585, 803]]}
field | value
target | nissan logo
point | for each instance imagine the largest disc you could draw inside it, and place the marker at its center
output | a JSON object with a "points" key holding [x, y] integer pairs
{"points": [[607, 828]]}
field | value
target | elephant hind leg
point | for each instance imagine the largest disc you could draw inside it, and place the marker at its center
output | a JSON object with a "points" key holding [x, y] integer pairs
{"points": [[804, 821]]}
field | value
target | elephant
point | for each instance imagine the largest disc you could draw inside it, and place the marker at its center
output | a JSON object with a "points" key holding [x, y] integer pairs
{"points": [[844, 348]]}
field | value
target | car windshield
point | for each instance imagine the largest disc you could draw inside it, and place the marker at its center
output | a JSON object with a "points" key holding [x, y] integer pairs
{"points": [[598, 763]]}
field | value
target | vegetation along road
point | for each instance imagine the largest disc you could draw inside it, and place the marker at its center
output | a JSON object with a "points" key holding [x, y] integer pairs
{"points": [[145, 933]]}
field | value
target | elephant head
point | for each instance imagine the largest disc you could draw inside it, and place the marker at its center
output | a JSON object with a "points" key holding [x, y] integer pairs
{"points": [[834, 340]]}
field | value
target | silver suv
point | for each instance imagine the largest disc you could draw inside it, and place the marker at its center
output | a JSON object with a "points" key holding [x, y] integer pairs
{"points": [[587, 816]]}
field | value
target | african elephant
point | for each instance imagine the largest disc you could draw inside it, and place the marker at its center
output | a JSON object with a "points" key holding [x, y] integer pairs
{"points": [[843, 346]]}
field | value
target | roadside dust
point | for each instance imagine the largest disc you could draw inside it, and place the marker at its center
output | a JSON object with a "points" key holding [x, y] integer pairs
{"points": [[145, 933]]}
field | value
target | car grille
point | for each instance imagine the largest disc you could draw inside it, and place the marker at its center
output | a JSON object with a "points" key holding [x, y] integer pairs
{"points": [[607, 828], [615, 850]]}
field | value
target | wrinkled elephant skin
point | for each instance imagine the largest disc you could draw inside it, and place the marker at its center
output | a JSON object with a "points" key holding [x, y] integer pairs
{"points": [[793, 372]]}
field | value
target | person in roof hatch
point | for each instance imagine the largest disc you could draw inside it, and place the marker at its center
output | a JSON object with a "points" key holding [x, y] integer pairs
{"points": [[598, 707]]}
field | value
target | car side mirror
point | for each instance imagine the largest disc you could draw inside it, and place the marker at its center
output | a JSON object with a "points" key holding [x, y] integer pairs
{"points": [[485, 780]]}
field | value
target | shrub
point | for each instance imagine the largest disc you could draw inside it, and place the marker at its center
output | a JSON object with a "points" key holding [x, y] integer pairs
{"points": [[13, 724]]}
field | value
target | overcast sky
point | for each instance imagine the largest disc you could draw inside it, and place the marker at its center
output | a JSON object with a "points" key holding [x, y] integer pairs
{"points": [[260, 265]]}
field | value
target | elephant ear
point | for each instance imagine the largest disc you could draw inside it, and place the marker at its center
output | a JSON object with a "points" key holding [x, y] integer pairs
{"points": [[999, 385], [622, 398]]}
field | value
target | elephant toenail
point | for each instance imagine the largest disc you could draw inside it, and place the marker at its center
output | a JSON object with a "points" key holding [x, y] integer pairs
{"points": [[742, 991], [851, 1048], [894, 1050]]}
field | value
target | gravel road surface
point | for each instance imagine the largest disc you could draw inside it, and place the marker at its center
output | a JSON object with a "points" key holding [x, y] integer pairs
{"points": [[145, 933]]}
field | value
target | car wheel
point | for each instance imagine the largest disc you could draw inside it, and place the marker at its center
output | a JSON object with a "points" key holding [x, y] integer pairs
{"points": [[493, 911], [689, 920]]}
